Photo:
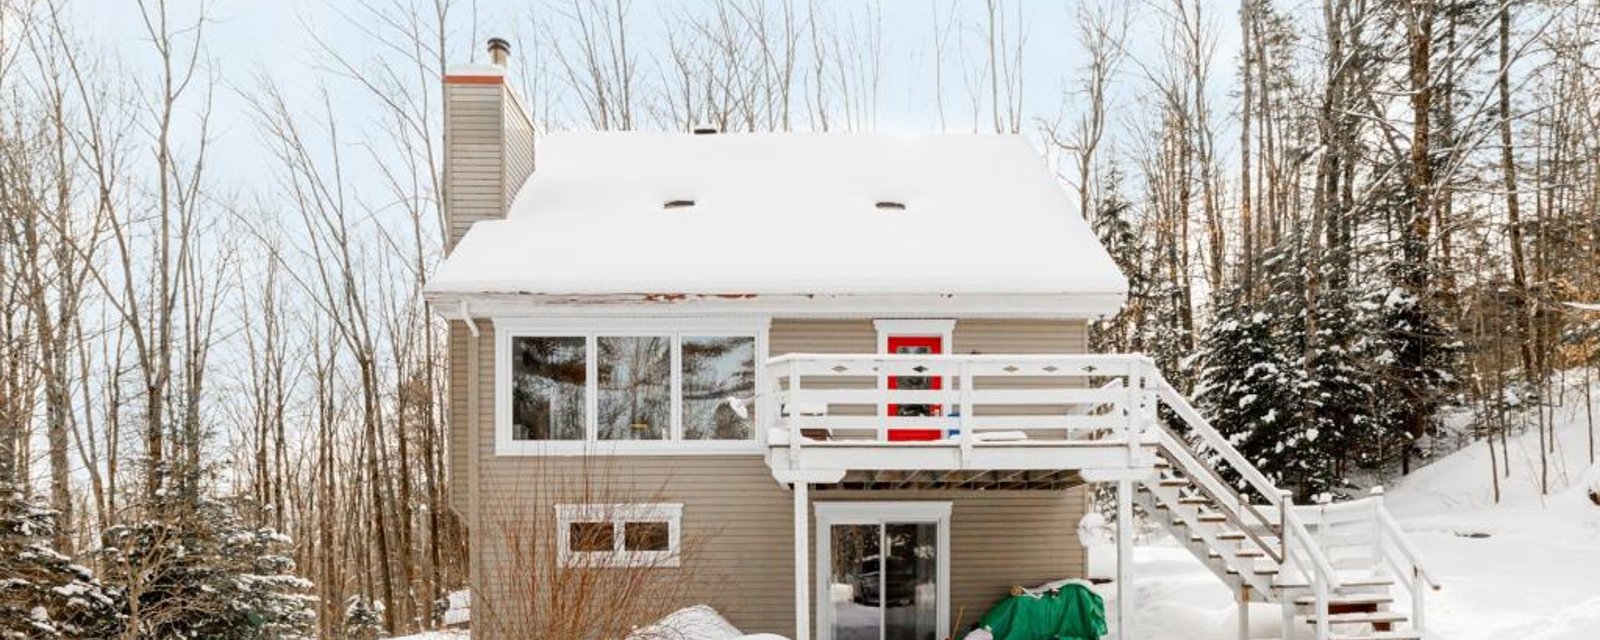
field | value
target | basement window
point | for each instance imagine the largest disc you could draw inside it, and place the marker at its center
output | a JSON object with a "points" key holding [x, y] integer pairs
{"points": [[891, 205], [677, 204], [646, 535]]}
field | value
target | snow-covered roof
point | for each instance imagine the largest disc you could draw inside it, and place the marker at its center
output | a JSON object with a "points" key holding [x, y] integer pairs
{"points": [[786, 214]]}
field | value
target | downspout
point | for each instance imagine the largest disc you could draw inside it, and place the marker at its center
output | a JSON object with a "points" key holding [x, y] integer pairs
{"points": [[474, 480]]}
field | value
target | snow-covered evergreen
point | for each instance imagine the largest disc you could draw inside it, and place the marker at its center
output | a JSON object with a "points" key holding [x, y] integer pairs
{"points": [[201, 572], [44, 594]]}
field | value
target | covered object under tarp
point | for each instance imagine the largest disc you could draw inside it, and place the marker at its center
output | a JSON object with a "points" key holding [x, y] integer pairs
{"points": [[1068, 611]]}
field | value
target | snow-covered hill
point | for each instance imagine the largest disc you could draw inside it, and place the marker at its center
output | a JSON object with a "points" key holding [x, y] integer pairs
{"points": [[1526, 568]]}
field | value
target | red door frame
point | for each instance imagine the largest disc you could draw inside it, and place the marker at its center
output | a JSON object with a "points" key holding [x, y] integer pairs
{"points": [[935, 346]]}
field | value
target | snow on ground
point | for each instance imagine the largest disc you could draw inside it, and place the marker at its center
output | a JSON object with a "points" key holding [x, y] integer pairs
{"points": [[1536, 576]]}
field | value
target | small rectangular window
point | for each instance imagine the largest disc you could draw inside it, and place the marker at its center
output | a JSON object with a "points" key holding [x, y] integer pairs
{"points": [[645, 536], [619, 535], [592, 536]]}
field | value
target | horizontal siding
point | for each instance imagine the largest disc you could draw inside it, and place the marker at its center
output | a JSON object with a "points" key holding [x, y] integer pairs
{"points": [[474, 157], [740, 520]]}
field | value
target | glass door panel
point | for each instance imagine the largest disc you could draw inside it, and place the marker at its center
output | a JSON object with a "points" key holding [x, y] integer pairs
{"points": [[855, 588], [910, 581], [883, 582]]}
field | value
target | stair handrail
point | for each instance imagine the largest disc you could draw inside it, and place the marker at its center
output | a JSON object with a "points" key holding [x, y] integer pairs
{"points": [[1209, 481], [1326, 578], [1395, 535]]}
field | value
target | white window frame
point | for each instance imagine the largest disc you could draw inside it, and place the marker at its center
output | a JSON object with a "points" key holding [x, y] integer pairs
{"points": [[619, 515], [879, 513], [506, 330]]}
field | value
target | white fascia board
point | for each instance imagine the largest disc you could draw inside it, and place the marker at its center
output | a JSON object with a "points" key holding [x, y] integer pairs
{"points": [[1067, 305]]}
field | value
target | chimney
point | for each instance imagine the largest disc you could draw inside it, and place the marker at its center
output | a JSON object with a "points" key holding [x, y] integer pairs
{"points": [[488, 143], [499, 50]]}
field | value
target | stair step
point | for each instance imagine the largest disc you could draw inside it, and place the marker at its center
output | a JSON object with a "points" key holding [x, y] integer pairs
{"points": [[1348, 599], [1173, 482], [1364, 617], [1371, 581], [1243, 553], [1211, 516], [1377, 635], [1194, 500], [1225, 536], [1265, 571]]}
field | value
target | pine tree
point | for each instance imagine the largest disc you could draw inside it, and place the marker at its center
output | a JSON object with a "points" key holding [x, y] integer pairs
{"points": [[44, 594], [202, 573], [1113, 224]]}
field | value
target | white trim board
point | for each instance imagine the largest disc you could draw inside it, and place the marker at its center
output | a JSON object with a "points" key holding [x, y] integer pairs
{"points": [[829, 513], [1086, 305]]}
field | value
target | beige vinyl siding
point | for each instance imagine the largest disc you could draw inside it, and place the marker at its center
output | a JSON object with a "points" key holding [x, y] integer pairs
{"points": [[519, 149], [739, 518], [459, 342], [474, 156]]}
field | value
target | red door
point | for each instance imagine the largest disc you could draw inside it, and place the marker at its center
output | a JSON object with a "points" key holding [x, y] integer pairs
{"points": [[915, 345]]}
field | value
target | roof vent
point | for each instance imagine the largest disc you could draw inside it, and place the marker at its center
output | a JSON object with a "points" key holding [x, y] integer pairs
{"points": [[677, 204], [890, 205], [704, 129]]}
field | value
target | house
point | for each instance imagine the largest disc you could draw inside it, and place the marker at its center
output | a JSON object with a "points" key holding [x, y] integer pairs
{"points": [[852, 367]]}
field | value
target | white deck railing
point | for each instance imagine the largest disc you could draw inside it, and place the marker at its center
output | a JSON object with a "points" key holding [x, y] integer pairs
{"points": [[1106, 400], [979, 399]]}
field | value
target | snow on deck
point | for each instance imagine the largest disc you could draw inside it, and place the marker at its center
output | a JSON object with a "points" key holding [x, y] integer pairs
{"points": [[785, 214]]}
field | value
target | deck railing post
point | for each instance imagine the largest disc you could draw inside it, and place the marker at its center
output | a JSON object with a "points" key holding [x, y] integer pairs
{"points": [[795, 413], [1136, 408], [1379, 534], [965, 409]]}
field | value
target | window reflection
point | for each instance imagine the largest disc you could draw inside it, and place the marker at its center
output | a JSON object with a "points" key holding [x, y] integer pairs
{"points": [[634, 387], [719, 383], [548, 388]]}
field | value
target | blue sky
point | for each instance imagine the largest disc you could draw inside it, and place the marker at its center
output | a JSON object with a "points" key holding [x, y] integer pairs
{"points": [[250, 39]]}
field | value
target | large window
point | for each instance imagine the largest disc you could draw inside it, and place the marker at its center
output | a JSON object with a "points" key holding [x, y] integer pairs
{"points": [[622, 386]]}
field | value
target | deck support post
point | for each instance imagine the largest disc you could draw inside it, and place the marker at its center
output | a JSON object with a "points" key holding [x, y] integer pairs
{"points": [[1125, 559], [1244, 612], [802, 549]]}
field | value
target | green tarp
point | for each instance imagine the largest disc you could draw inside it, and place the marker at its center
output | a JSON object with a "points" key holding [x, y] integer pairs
{"points": [[1070, 613]]}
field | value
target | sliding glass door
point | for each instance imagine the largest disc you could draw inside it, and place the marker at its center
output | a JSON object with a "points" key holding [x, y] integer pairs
{"points": [[883, 570]]}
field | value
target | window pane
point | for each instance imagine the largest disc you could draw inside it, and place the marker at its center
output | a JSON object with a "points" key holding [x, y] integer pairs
{"points": [[547, 396], [719, 385], [645, 536], [635, 387], [591, 536]]}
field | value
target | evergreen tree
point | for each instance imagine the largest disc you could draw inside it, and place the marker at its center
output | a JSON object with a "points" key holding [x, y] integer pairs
{"points": [[1113, 224], [44, 594], [1416, 359], [201, 572], [1338, 389], [363, 618]]}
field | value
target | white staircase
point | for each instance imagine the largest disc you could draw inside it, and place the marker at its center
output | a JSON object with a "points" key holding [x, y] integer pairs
{"points": [[1335, 569]]}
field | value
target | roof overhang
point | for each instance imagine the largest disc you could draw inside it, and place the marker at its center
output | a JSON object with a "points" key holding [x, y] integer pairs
{"points": [[1040, 305]]}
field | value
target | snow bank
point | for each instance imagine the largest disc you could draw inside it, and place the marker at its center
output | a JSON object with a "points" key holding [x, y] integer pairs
{"points": [[699, 622]]}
